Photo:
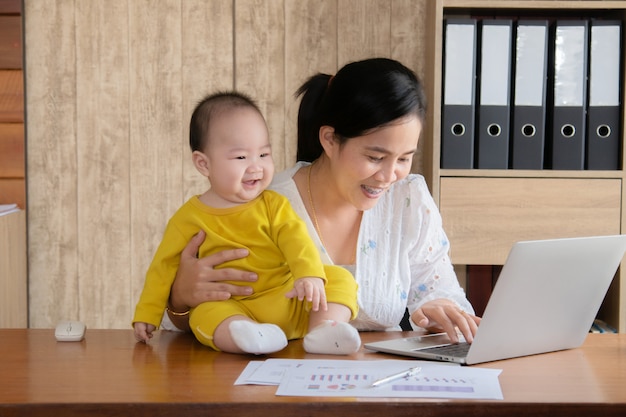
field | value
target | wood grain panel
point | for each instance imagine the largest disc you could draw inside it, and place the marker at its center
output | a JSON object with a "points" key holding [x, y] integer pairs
{"points": [[111, 86], [363, 29], [432, 80], [10, 42], [13, 191], [51, 161], [483, 217], [155, 127], [408, 33], [12, 150], [103, 162], [408, 43], [207, 66], [310, 47], [10, 6], [13, 282], [11, 96], [260, 65]]}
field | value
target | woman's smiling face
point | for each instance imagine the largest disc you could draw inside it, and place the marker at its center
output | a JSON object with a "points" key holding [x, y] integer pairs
{"points": [[364, 167]]}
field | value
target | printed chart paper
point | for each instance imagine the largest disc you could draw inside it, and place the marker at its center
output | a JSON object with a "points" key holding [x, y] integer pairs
{"points": [[348, 378]]}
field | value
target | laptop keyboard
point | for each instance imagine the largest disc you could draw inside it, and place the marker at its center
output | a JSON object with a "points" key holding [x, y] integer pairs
{"points": [[458, 350]]}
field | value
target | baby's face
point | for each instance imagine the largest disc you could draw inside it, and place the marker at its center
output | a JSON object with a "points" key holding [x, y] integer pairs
{"points": [[240, 158]]}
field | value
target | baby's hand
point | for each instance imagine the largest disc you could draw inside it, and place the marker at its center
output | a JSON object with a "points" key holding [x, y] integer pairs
{"points": [[311, 288], [143, 331]]}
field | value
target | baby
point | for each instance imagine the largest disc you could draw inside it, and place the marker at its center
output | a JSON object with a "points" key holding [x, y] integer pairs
{"points": [[295, 295]]}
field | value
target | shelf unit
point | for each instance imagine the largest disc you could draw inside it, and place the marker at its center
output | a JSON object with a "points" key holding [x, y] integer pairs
{"points": [[486, 211]]}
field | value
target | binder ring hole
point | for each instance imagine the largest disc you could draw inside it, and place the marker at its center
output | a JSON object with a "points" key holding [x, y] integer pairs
{"points": [[529, 130], [603, 131], [568, 131], [494, 130], [458, 129]]}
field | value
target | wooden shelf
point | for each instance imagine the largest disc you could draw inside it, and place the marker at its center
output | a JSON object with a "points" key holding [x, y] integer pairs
{"points": [[486, 211], [12, 138], [510, 173]]}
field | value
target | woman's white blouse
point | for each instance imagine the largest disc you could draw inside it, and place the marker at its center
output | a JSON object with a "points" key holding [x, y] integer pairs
{"points": [[402, 257]]}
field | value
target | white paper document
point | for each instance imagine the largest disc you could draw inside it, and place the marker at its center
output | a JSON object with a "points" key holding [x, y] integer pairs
{"points": [[349, 378], [8, 209], [256, 373]]}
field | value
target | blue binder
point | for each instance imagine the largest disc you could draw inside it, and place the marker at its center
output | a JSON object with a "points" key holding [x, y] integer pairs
{"points": [[529, 97], [458, 112], [495, 91], [570, 93], [603, 113]]}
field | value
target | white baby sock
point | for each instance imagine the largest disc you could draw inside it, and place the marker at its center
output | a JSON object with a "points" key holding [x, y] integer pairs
{"points": [[257, 338], [334, 338]]}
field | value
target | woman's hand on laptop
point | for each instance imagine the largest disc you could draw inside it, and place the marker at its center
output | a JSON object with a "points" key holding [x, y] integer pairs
{"points": [[443, 315]]}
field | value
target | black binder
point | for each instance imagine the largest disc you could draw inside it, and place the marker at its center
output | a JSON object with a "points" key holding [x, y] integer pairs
{"points": [[570, 92], [529, 96], [603, 113], [458, 112], [495, 92]]}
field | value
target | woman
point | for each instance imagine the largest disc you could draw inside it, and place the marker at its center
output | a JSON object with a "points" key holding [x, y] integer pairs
{"points": [[357, 134]]}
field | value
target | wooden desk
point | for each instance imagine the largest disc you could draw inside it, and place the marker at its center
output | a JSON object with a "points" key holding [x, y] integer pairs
{"points": [[109, 374]]}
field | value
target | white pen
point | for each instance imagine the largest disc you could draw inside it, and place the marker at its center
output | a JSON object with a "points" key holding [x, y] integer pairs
{"points": [[403, 374]]}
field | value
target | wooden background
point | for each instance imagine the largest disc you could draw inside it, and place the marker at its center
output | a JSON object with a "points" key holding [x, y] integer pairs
{"points": [[110, 85], [12, 160]]}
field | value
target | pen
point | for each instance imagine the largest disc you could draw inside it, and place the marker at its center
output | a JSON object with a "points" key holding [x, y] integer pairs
{"points": [[403, 374]]}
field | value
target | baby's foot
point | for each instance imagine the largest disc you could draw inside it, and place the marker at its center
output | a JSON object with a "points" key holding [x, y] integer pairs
{"points": [[257, 338], [334, 338]]}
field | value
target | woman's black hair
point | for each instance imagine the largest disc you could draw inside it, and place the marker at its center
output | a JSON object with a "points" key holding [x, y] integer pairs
{"points": [[361, 97]]}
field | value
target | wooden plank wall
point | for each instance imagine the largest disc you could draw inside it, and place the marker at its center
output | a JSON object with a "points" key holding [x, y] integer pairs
{"points": [[12, 170], [110, 87]]}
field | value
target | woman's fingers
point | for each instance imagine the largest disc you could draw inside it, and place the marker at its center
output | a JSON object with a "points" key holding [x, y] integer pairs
{"points": [[444, 315]]}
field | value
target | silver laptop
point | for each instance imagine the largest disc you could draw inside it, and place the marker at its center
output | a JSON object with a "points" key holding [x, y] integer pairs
{"points": [[546, 299]]}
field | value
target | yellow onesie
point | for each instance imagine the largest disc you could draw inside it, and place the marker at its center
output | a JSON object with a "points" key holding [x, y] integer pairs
{"points": [[281, 251]]}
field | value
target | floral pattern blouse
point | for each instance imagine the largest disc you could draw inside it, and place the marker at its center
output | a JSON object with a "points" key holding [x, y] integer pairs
{"points": [[402, 258]]}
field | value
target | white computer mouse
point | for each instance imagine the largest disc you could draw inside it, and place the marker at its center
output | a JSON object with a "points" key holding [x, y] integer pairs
{"points": [[70, 331]]}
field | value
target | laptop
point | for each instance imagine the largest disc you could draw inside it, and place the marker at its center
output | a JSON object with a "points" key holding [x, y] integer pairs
{"points": [[546, 299]]}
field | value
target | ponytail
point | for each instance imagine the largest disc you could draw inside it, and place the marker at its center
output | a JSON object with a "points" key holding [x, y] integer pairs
{"points": [[312, 92]]}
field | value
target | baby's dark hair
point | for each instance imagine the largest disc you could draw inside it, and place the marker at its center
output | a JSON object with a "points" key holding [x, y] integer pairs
{"points": [[210, 107]]}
